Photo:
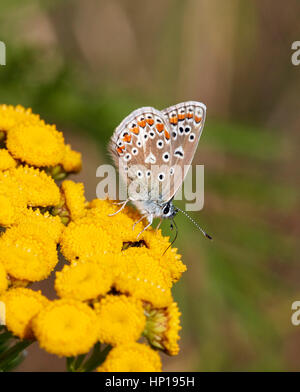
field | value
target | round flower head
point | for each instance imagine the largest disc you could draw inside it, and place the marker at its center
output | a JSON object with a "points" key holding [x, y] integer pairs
{"points": [[83, 281], [66, 328], [21, 306], [6, 160], [88, 241], [141, 276], [12, 201], [10, 116], [120, 225], [37, 187], [26, 254], [162, 328], [48, 226], [170, 259], [37, 144], [3, 278], [131, 357], [121, 319], [74, 198], [72, 160]]}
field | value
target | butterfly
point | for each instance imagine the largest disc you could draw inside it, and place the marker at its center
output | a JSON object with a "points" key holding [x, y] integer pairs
{"points": [[152, 150]]}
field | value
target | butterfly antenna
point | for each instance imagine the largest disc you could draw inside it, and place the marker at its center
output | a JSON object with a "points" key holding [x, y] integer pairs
{"points": [[195, 223], [176, 234]]}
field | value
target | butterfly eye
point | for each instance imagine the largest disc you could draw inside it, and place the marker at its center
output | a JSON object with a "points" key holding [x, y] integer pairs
{"points": [[139, 173], [148, 173], [166, 209], [172, 171], [152, 135], [135, 151]]}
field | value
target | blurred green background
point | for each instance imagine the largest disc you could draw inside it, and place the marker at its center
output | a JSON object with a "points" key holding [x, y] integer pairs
{"points": [[84, 65]]}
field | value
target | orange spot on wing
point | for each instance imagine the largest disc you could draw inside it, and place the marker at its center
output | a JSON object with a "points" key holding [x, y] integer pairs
{"points": [[135, 130], [120, 149], [198, 119], [150, 121], [181, 116], [127, 138], [174, 120], [142, 123], [167, 135], [160, 127], [189, 115]]}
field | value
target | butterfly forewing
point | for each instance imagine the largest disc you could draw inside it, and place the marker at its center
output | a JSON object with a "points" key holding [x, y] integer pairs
{"points": [[186, 121]]}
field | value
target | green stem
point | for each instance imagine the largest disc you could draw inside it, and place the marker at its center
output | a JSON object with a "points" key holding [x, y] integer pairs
{"points": [[8, 355], [96, 359]]}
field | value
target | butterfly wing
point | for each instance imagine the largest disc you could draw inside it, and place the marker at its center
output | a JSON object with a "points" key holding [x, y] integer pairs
{"points": [[140, 145], [185, 121]]}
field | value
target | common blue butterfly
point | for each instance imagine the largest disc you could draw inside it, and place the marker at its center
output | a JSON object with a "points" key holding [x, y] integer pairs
{"points": [[152, 150]]}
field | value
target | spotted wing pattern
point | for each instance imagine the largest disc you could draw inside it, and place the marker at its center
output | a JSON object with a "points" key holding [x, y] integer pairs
{"points": [[150, 144], [141, 145], [186, 121]]}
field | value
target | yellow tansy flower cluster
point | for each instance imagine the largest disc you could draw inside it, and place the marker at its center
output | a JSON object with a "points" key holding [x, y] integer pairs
{"points": [[113, 288]]}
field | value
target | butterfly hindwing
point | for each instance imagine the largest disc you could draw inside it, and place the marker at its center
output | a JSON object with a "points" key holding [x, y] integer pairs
{"points": [[140, 146]]}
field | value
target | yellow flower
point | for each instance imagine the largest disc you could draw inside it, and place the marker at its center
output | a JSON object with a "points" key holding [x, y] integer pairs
{"points": [[131, 357], [36, 186], [33, 221], [21, 306], [27, 253], [74, 197], [66, 328], [121, 225], [170, 260], [12, 201], [6, 160], [121, 319], [3, 278], [83, 281], [10, 116], [88, 241], [37, 144], [162, 328], [72, 160], [141, 276]]}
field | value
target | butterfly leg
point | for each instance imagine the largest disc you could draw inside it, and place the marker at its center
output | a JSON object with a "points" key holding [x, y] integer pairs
{"points": [[158, 226], [133, 227], [123, 206], [150, 218]]}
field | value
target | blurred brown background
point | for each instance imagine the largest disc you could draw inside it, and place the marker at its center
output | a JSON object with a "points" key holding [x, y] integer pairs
{"points": [[84, 65]]}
